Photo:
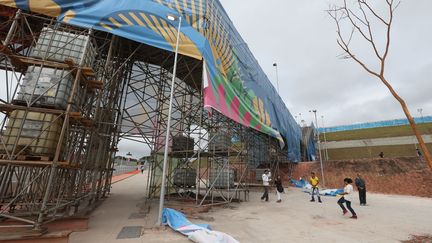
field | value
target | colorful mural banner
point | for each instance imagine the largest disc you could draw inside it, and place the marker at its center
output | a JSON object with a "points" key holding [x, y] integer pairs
{"points": [[234, 83]]}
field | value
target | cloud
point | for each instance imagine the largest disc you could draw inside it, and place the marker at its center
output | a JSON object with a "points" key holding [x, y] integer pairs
{"points": [[301, 38]]}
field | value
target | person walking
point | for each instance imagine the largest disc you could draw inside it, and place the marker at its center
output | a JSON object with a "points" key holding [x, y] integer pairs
{"points": [[266, 179], [361, 187], [418, 152], [142, 168], [314, 181], [279, 188], [347, 198]]}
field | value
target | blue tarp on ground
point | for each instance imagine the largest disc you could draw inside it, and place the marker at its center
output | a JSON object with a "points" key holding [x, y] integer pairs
{"points": [[196, 233], [299, 183], [305, 185], [326, 192]]}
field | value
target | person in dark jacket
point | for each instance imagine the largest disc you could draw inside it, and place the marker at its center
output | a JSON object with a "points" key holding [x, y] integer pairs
{"points": [[361, 187], [279, 188]]}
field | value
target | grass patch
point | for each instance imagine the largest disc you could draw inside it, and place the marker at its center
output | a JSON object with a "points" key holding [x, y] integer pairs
{"points": [[372, 152], [380, 132]]}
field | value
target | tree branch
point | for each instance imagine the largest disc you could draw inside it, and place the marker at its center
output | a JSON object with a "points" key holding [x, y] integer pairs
{"points": [[387, 47], [345, 45], [370, 32], [372, 11], [346, 13]]}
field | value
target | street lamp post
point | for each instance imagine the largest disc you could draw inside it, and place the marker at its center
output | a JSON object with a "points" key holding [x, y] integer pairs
{"points": [[277, 76], [325, 139], [420, 110], [165, 161], [319, 145]]}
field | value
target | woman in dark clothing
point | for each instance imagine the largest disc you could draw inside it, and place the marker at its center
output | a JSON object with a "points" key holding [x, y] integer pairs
{"points": [[279, 188]]}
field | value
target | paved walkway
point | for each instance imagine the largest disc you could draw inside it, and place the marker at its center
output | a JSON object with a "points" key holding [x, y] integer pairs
{"points": [[121, 210], [388, 218], [124, 176]]}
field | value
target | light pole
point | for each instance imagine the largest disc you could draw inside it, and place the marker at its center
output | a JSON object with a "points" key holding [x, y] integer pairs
{"points": [[165, 161], [128, 159], [420, 110], [325, 139], [277, 76], [319, 145]]}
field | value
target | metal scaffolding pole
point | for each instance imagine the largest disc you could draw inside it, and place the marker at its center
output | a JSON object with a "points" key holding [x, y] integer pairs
{"points": [[165, 161]]}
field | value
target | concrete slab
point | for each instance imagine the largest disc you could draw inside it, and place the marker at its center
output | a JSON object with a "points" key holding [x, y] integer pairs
{"points": [[130, 232]]}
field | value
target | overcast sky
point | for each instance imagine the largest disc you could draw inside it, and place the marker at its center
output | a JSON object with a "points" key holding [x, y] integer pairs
{"points": [[301, 38]]}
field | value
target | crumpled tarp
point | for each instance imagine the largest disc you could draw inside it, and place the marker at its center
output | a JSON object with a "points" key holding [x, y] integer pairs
{"points": [[326, 192], [299, 183], [196, 233], [305, 185]]}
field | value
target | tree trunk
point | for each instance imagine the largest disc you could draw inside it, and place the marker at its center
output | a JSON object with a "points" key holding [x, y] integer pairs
{"points": [[413, 125]]}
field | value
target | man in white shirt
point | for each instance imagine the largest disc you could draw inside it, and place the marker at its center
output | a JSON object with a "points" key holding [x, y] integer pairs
{"points": [[266, 179], [347, 198]]}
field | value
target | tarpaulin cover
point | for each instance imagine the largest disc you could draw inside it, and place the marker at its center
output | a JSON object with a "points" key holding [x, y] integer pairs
{"points": [[299, 183], [197, 233], [233, 82]]}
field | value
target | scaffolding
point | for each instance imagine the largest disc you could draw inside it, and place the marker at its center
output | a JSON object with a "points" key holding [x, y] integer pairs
{"points": [[72, 94]]}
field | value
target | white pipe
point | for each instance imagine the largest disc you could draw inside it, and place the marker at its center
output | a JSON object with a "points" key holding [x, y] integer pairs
{"points": [[165, 161]]}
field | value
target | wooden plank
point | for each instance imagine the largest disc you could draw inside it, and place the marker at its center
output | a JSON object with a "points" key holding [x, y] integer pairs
{"points": [[75, 114], [9, 108], [21, 63], [95, 84], [88, 71], [16, 62], [38, 62], [29, 162]]}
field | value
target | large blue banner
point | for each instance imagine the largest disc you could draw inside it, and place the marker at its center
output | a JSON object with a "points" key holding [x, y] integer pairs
{"points": [[233, 82]]}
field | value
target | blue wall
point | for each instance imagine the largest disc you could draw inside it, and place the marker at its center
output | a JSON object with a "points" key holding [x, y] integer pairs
{"points": [[397, 122]]}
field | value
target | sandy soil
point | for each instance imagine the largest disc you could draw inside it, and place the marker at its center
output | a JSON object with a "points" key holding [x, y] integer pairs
{"points": [[387, 218]]}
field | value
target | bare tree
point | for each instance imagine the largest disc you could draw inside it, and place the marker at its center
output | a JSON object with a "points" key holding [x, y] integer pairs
{"points": [[363, 19]]}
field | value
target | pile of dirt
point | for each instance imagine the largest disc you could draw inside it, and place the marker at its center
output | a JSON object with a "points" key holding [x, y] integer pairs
{"points": [[404, 176], [419, 239]]}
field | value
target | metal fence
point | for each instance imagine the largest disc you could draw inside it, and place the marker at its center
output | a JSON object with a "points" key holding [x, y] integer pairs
{"points": [[121, 169]]}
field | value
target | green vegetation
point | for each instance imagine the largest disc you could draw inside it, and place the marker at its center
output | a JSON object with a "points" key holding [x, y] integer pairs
{"points": [[380, 132], [372, 152]]}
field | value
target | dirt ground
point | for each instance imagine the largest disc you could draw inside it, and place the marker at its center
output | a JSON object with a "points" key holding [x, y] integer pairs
{"points": [[400, 176], [387, 218]]}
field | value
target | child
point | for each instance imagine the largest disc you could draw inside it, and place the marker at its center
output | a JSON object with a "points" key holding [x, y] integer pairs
{"points": [[266, 179], [314, 181], [279, 188], [347, 198]]}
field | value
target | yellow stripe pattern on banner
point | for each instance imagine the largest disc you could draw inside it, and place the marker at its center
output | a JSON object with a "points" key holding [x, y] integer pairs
{"points": [[48, 7], [209, 23], [156, 24], [10, 3]]}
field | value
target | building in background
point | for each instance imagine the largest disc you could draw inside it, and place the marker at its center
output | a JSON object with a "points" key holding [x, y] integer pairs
{"points": [[393, 138]]}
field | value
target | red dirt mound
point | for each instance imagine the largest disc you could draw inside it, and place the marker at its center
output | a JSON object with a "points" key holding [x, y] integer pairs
{"points": [[404, 176]]}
